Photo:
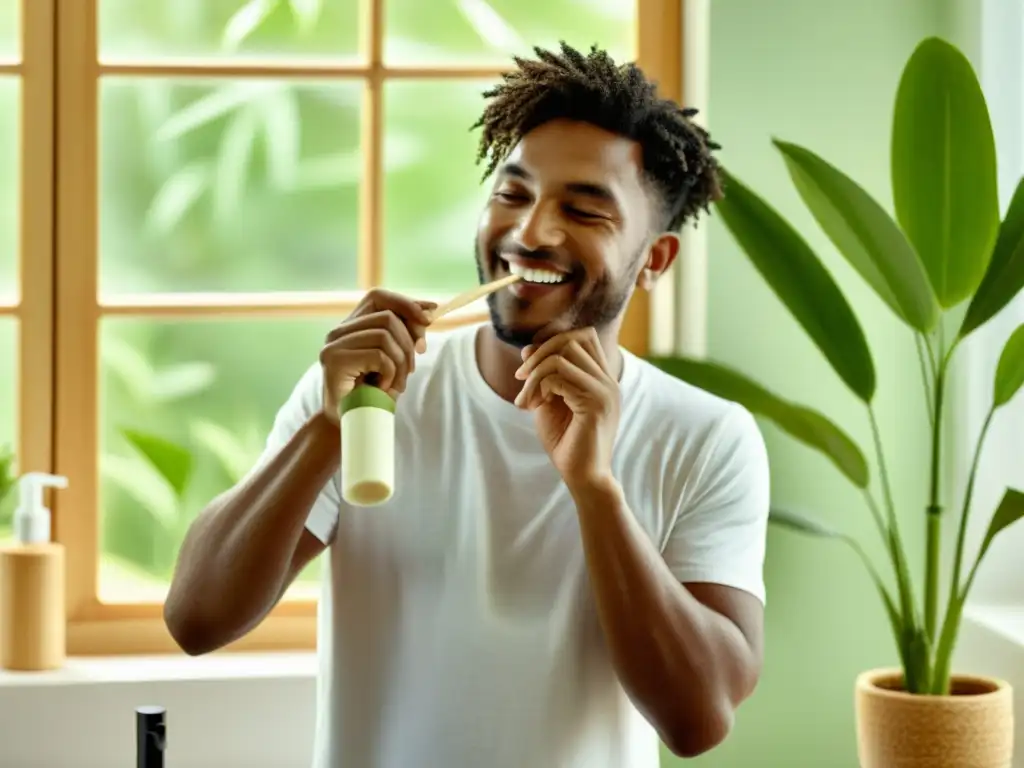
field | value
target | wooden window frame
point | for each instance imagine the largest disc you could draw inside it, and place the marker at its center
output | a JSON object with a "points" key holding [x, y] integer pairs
{"points": [[60, 276], [33, 308]]}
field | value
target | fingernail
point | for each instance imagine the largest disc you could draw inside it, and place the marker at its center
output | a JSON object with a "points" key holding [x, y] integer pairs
{"points": [[421, 345], [527, 351], [520, 372]]}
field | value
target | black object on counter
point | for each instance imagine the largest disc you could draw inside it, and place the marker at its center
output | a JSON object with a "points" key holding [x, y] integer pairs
{"points": [[150, 736]]}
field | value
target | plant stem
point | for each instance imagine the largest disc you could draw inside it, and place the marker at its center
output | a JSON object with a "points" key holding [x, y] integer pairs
{"points": [[921, 349], [958, 593], [933, 531], [876, 514], [906, 587], [961, 535]]}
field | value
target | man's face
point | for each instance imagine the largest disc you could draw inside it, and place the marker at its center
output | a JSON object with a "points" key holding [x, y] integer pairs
{"points": [[569, 211]]}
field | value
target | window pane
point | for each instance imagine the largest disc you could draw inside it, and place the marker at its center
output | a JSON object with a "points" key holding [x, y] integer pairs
{"points": [[10, 28], [228, 185], [266, 28], [8, 410], [493, 30], [211, 388], [432, 189], [10, 176]]}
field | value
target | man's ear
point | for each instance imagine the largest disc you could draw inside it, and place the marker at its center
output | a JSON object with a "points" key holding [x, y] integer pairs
{"points": [[661, 253]]}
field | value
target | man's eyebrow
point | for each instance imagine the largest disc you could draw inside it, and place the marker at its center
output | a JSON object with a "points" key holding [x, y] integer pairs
{"points": [[588, 189], [516, 170], [585, 188]]}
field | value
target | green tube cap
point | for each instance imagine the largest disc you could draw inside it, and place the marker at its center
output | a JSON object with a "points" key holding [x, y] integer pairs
{"points": [[366, 396]]}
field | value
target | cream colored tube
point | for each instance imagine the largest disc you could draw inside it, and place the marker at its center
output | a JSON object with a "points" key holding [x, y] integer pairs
{"points": [[367, 446]]}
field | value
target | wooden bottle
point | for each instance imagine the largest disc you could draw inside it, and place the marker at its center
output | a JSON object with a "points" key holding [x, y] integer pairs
{"points": [[32, 627]]}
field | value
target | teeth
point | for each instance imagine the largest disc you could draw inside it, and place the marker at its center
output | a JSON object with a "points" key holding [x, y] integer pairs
{"points": [[536, 275]]}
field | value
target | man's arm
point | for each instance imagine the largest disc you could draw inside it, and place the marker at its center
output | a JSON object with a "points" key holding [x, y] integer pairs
{"points": [[249, 544], [687, 655], [245, 549]]}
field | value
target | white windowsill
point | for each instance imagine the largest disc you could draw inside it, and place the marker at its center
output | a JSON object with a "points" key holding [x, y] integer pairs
{"points": [[90, 670], [1006, 621]]}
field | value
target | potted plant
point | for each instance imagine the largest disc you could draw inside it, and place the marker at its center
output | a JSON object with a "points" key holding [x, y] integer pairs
{"points": [[945, 252]]}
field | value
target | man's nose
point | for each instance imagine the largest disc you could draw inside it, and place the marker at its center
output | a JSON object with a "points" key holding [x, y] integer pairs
{"points": [[540, 228]]}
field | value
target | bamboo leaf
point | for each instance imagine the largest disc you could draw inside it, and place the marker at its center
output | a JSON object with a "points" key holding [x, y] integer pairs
{"points": [[944, 169], [1010, 370], [1004, 278], [233, 157], [8, 477], [179, 381], [172, 461], [801, 282], [245, 21], [802, 423], [235, 456], [145, 484], [307, 14], [865, 235], [490, 26], [213, 106], [176, 198], [281, 128]]}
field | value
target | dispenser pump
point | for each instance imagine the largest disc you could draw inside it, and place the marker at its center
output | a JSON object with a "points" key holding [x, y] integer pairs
{"points": [[32, 518]]}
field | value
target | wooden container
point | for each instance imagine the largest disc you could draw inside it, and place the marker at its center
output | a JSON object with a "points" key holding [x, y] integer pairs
{"points": [[970, 728], [32, 628]]}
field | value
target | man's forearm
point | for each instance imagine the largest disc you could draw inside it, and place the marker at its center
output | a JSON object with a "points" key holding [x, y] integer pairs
{"points": [[237, 554], [685, 666]]}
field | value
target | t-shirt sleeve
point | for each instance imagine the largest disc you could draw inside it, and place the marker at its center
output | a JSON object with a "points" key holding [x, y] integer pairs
{"points": [[720, 529], [305, 401]]}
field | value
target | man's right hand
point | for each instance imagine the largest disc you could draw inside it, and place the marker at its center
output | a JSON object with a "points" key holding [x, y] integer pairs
{"points": [[381, 336]]}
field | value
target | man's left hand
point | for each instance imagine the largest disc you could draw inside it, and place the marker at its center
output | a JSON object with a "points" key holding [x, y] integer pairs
{"points": [[575, 400]]}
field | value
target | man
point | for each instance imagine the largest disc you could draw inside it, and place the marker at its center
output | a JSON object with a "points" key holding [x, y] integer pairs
{"points": [[571, 564]]}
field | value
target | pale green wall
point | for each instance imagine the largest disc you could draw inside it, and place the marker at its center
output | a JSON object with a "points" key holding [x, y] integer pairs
{"points": [[822, 74]]}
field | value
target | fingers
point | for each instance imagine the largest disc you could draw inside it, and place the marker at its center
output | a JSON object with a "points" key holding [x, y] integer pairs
{"points": [[415, 312], [378, 300], [343, 366], [584, 339], [572, 374], [386, 322], [378, 341]]}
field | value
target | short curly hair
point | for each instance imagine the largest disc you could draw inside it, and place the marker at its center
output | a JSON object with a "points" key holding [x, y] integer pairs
{"points": [[592, 88]]}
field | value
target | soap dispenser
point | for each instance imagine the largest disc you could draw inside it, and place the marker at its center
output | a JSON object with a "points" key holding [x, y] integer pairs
{"points": [[32, 627]]}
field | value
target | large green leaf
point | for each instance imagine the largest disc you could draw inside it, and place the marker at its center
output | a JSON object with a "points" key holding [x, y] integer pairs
{"points": [[865, 234], [801, 524], [1009, 511], [1010, 370], [944, 169], [805, 425], [1004, 278], [800, 281], [174, 462]]}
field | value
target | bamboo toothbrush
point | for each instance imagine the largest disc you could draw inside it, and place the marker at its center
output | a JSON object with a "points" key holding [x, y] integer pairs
{"points": [[472, 295]]}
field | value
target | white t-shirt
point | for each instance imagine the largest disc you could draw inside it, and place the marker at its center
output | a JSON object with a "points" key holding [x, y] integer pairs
{"points": [[457, 629]]}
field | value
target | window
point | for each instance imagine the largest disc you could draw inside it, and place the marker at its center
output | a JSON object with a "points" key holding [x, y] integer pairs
{"points": [[26, 262], [206, 186], [999, 57]]}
